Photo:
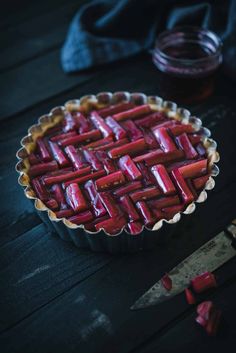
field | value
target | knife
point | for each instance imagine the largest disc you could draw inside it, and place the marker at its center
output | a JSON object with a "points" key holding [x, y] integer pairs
{"points": [[208, 257]]}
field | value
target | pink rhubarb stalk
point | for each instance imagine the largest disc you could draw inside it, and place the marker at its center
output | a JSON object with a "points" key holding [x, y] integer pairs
{"points": [[190, 296], [108, 164], [203, 282], [158, 156], [180, 129], [50, 180], [75, 198], [58, 154], [123, 190], [151, 120], [165, 202], [81, 218], [110, 204], [200, 182], [92, 159], [129, 148], [112, 225], [117, 129], [75, 157], [133, 113], [187, 147], [44, 153], [145, 212], [69, 123], [100, 124], [135, 228], [99, 143], [194, 169], [40, 190], [164, 139], [134, 132], [129, 168], [64, 213], [112, 145], [85, 178], [59, 195], [148, 177], [110, 181], [33, 159], [166, 282], [129, 208], [185, 192], [84, 124], [150, 140], [163, 179], [171, 211], [85, 137], [114, 109], [63, 136], [52, 204], [97, 205], [42, 168]]}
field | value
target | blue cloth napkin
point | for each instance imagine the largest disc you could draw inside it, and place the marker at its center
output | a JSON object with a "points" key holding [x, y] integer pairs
{"points": [[107, 30]]}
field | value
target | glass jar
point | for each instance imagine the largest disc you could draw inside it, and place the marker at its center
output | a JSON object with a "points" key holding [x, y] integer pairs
{"points": [[187, 59]]}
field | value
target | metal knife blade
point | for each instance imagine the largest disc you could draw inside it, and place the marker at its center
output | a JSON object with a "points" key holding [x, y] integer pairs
{"points": [[208, 257]]}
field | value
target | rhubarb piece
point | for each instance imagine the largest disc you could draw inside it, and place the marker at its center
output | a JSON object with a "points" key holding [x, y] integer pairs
{"points": [[165, 202], [158, 214], [129, 208], [84, 124], [148, 177], [145, 212], [98, 208], [166, 124], [63, 136], [163, 179], [134, 228], [57, 172], [184, 190], [91, 225], [187, 147], [114, 109], [194, 139], [40, 169], [92, 158], [50, 180], [151, 120], [130, 148], [213, 323], [85, 178], [200, 182], [59, 195], [203, 282], [158, 156], [133, 113], [112, 145], [194, 169], [117, 129], [201, 150], [43, 151], [201, 321], [52, 204], [112, 225], [110, 204], [98, 143], [81, 218], [75, 157], [69, 123], [170, 211], [205, 309], [109, 181], [64, 213], [133, 131], [166, 282], [100, 124], [190, 296], [40, 189], [164, 140], [58, 154], [129, 168], [145, 194], [177, 165], [150, 140], [33, 159], [53, 130], [180, 129], [85, 137], [75, 198], [108, 164], [123, 190]]}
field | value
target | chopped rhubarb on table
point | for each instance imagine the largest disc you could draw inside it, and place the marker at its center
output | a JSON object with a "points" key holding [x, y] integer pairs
{"points": [[97, 205], [81, 218], [151, 120], [200, 182], [190, 296], [203, 282], [180, 129], [100, 124], [40, 189], [91, 158], [117, 129], [194, 169], [163, 179], [145, 194], [133, 131], [50, 180], [76, 157], [112, 145], [166, 282], [110, 181], [164, 202], [187, 147], [129, 148], [76, 198], [129, 208], [59, 155], [133, 113], [114, 109], [43, 150], [85, 137], [42, 168], [145, 212], [164, 139], [129, 168], [135, 228], [182, 186], [85, 178], [123, 190], [110, 204]]}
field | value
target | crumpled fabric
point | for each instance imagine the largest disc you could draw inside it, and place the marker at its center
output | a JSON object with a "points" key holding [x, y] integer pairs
{"points": [[104, 31]]}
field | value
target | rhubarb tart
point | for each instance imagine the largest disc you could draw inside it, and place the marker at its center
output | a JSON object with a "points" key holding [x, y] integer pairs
{"points": [[113, 171]]}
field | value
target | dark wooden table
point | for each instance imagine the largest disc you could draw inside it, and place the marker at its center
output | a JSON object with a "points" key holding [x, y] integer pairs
{"points": [[55, 297]]}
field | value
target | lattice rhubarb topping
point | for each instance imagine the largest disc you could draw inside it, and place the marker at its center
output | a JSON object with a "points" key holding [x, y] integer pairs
{"points": [[123, 166]]}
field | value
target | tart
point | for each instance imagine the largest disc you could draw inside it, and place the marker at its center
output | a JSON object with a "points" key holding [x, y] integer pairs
{"points": [[117, 165]]}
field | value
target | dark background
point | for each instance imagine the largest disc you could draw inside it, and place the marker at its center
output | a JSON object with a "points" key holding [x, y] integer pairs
{"points": [[53, 296]]}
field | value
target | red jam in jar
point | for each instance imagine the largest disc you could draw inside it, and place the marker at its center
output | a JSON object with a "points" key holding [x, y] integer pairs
{"points": [[187, 59]]}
